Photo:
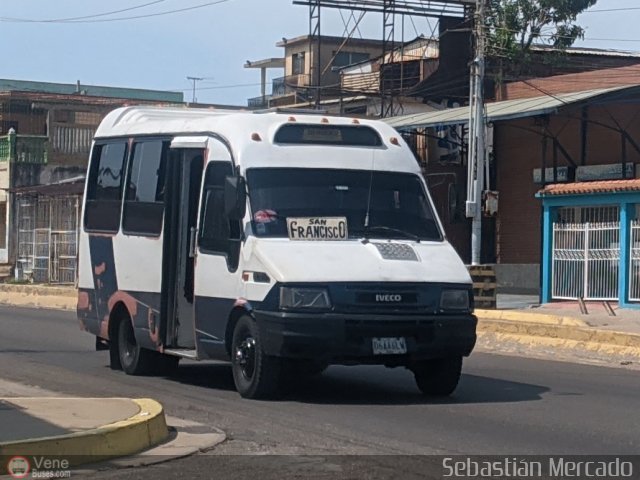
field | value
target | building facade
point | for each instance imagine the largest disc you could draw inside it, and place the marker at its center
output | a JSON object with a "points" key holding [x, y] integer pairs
{"points": [[565, 138], [310, 69], [46, 130]]}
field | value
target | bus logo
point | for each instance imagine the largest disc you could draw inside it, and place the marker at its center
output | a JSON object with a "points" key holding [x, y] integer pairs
{"points": [[386, 298], [18, 467]]}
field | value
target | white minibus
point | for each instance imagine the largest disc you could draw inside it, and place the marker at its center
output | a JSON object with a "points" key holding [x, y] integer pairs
{"points": [[283, 242]]}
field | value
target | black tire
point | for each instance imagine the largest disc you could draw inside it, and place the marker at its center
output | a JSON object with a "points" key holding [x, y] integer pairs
{"points": [[255, 374], [133, 359], [114, 354], [438, 377]]}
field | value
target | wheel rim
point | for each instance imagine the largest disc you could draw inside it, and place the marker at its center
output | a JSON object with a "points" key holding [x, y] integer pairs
{"points": [[245, 355]]}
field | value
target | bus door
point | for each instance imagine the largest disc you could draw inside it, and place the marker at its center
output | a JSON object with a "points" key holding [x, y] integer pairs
{"points": [[217, 277], [184, 177]]}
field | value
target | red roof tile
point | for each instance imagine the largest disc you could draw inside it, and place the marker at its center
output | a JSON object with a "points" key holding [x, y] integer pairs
{"points": [[585, 188]]}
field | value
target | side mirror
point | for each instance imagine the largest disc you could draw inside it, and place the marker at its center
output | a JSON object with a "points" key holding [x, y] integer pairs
{"points": [[235, 197]]}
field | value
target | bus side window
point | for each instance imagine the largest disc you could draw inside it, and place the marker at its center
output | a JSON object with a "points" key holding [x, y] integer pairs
{"points": [[104, 192], [218, 234], [144, 195]]}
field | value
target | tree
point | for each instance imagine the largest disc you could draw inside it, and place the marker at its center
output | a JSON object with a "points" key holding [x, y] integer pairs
{"points": [[515, 25]]}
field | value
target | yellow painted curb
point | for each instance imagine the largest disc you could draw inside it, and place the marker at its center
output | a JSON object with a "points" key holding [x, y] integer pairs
{"points": [[145, 429], [519, 316], [561, 343], [589, 338]]}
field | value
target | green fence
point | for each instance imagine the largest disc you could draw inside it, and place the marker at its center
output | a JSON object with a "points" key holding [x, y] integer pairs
{"points": [[24, 149]]}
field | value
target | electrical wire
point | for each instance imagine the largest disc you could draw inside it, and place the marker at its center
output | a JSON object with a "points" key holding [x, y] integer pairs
{"points": [[510, 30], [621, 9], [85, 17], [118, 19]]}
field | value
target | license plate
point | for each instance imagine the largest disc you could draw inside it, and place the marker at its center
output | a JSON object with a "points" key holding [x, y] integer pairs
{"points": [[389, 345]]}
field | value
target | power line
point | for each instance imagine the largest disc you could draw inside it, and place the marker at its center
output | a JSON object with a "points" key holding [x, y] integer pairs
{"points": [[621, 9], [235, 85], [105, 20], [548, 35], [70, 19]]}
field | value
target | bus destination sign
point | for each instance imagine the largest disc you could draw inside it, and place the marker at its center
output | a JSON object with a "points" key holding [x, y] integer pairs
{"points": [[317, 228]]}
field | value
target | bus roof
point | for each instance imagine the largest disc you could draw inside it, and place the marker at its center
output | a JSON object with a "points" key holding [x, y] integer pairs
{"points": [[244, 131]]}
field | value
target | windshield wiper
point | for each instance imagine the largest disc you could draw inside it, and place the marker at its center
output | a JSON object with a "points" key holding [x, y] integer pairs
{"points": [[383, 228]]}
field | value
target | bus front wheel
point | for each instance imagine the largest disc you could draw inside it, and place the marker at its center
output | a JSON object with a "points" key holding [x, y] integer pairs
{"points": [[438, 377], [134, 359], [255, 374]]}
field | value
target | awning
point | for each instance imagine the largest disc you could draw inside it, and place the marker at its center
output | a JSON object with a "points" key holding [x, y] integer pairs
{"points": [[508, 109], [71, 186], [590, 188]]}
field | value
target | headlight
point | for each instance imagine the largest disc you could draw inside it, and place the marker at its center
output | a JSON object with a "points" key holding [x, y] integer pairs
{"points": [[292, 297], [454, 300]]}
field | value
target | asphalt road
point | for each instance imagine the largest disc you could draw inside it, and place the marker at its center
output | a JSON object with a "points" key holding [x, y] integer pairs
{"points": [[504, 406]]}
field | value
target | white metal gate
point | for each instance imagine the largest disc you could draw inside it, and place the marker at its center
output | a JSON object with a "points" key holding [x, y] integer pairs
{"points": [[586, 254], [48, 238], [634, 267]]}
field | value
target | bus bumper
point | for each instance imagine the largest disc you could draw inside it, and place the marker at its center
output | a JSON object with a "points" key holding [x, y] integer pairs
{"points": [[348, 339]]}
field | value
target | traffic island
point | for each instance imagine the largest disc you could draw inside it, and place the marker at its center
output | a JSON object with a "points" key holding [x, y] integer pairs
{"points": [[75, 431]]}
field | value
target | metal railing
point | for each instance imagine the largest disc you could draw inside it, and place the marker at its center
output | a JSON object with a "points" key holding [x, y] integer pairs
{"points": [[288, 85], [634, 259], [24, 148], [280, 87], [259, 102], [71, 140], [586, 260], [6, 148]]}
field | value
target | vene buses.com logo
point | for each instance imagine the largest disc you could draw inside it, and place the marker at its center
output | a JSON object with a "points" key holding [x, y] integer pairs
{"points": [[18, 467]]}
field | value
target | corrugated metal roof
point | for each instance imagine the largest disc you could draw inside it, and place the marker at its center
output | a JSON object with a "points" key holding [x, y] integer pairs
{"points": [[506, 110], [69, 186], [585, 188], [91, 90], [84, 100]]}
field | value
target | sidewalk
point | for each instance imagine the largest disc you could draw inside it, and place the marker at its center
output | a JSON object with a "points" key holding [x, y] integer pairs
{"points": [[597, 316], [561, 328], [78, 430], [39, 296]]}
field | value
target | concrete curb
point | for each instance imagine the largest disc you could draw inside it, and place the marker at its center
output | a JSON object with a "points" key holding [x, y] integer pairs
{"points": [[533, 317], [142, 431], [36, 296], [563, 335]]}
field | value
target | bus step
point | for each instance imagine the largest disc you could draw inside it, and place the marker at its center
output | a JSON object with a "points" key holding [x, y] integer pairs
{"points": [[182, 352]]}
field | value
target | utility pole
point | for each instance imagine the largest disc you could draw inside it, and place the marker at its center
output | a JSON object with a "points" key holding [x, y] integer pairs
{"points": [[194, 80], [477, 131]]}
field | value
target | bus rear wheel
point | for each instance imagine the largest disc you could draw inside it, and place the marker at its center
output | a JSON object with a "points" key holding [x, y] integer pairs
{"points": [[438, 377], [255, 374], [134, 359]]}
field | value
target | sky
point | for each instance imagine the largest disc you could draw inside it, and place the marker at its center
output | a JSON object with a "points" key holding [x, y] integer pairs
{"points": [[213, 42]]}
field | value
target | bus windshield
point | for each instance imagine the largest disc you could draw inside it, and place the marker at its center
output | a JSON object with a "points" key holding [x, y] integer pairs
{"points": [[398, 205]]}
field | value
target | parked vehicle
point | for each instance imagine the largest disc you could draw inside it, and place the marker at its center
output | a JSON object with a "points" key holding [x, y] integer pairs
{"points": [[281, 242]]}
